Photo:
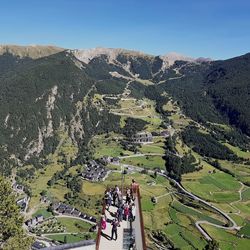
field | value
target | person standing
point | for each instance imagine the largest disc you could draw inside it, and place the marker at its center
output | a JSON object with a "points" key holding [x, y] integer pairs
{"points": [[114, 229], [133, 211], [114, 198], [103, 222], [120, 199], [107, 199], [119, 215], [117, 189], [130, 215], [128, 196], [126, 212], [134, 187]]}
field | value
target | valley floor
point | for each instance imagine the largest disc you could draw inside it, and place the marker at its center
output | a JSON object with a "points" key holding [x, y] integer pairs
{"points": [[207, 204]]}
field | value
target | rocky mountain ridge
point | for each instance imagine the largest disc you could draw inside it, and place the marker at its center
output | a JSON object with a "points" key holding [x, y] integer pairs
{"points": [[31, 51], [42, 95]]}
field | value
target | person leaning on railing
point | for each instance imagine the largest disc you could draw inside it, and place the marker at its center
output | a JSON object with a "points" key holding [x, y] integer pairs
{"points": [[134, 186], [103, 222]]}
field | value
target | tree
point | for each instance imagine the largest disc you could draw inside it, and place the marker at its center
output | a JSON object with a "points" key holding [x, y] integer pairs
{"points": [[51, 182], [155, 174], [19, 241], [65, 239], [43, 193], [212, 245], [12, 235], [50, 209]]}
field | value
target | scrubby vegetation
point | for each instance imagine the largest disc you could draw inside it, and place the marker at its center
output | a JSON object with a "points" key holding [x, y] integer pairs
{"points": [[12, 235]]}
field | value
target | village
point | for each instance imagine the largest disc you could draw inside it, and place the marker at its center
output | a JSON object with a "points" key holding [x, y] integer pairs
{"points": [[96, 170]]}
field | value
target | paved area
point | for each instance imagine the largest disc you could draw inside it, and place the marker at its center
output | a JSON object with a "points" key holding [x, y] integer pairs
{"points": [[106, 243]]}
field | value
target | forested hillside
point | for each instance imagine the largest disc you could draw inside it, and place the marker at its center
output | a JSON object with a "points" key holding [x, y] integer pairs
{"points": [[43, 95]]}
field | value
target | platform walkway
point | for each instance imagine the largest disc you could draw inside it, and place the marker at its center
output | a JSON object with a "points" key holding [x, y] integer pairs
{"points": [[128, 233], [106, 243]]}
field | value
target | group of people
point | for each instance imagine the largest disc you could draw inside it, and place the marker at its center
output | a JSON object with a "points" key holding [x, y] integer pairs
{"points": [[126, 209]]}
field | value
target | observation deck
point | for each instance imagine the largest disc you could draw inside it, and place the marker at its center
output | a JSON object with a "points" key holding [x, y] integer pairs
{"points": [[130, 233]]}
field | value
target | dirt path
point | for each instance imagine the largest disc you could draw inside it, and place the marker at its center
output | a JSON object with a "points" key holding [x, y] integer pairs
{"points": [[234, 202]]}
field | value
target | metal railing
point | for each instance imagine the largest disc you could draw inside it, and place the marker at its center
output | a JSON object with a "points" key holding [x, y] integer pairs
{"points": [[99, 232], [141, 219]]}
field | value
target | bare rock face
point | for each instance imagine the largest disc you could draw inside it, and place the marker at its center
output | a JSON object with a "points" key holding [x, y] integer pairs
{"points": [[170, 58], [113, 55], [32, 51], [86, 55]]}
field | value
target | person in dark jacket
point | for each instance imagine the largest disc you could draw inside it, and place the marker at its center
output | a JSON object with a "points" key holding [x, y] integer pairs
{"points": [[114, 229], [119, 214]]}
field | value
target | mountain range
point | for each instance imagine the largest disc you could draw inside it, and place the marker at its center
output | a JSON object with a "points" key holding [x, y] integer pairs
{"points": [[46, 90]]}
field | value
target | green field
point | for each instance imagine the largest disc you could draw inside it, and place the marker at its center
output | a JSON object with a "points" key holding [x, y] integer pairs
{"points": [[184, 238], [245, 230], [71, 238], [221, 180], [241, 171], [43, 212], [151, 148], [147, 204], [74, 225], [146, 161], [238, 151], [226, 239], [194, 213], [216, 187], [107, 147], [246, 194]]}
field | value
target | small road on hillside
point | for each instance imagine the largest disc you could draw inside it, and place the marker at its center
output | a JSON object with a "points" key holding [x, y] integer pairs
{"points": [[198, 223]]}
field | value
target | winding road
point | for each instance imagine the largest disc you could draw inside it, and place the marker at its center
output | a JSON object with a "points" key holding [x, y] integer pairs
{"points": [[233, 225]]}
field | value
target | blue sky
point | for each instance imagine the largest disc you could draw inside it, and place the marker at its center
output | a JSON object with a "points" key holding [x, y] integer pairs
{"points": [[209, 28]]}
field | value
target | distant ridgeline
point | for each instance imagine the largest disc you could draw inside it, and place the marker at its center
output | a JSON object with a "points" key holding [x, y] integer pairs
{"points": [[46, 91]]}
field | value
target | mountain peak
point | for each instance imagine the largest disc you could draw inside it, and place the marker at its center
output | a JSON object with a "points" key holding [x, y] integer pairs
{"points": [[32, 51], [171, 57], [86, 55]]}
